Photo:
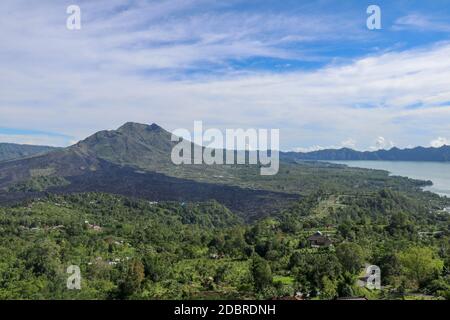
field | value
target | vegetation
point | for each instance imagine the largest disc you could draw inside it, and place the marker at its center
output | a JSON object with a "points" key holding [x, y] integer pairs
{"points": [[38, 184], [216, 232], [136, 249]]}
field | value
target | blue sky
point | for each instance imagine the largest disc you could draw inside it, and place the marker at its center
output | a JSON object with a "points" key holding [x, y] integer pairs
{"points": [[310, 68]]}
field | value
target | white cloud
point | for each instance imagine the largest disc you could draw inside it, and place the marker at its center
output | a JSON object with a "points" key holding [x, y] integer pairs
{"points": [[382, 143], [309, 149], [348, 143], [122, 67], [439, 142]]}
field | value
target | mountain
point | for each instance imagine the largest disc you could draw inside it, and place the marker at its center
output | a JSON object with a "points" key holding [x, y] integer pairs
{"points": [[147, 147], [394, 154], [135, 161], [141, 147], [10, 151]]}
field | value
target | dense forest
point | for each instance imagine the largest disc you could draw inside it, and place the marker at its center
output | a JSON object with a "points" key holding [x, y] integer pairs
{"points": [[138, 249]]}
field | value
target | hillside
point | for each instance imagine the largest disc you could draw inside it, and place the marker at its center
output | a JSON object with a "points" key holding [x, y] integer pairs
{"points": [[136, 249], [10, 151]]}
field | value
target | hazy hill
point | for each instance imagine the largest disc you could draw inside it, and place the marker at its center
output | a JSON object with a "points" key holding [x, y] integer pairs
{"points": [[394, 154], [9, 151]]}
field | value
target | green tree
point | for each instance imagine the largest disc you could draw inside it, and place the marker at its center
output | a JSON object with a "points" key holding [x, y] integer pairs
{"points": [[346, 285], [312, 268], [131, 282], [419, 265], [390, 265], [261, 272], [400, 224], [329, 288], [42, 258], [154, 267], [351, 256]]}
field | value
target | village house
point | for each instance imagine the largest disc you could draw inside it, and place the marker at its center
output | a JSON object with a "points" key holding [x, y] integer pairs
{"points": [[318, 240], [93, 226]]}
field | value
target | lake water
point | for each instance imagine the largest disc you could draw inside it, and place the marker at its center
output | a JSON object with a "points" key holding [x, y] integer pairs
{"points": [[437, 172]]}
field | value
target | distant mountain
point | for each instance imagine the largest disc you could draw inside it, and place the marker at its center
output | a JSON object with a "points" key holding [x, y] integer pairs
{"points": [[394, 154], [10, 151]]}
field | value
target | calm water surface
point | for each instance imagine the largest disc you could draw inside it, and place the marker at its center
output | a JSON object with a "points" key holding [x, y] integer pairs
{"points": [[437, 172]]}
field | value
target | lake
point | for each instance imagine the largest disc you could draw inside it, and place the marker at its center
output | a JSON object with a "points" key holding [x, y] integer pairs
{"points": [[437, 172]]}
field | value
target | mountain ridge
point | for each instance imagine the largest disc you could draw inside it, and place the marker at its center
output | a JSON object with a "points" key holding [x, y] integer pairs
{"points": [[440, 154], [11, 151]]}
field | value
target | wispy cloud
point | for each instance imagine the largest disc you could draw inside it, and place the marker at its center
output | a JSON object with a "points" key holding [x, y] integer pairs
{"points": [[173, 62], [35, 140], [422, 22], [23, 136]]}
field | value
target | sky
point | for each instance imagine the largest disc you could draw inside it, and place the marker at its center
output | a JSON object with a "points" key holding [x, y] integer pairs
{"points": [[309, 68]]}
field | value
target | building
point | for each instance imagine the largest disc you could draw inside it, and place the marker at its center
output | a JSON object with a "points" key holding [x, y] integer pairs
{"points": [[318, 240]]}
